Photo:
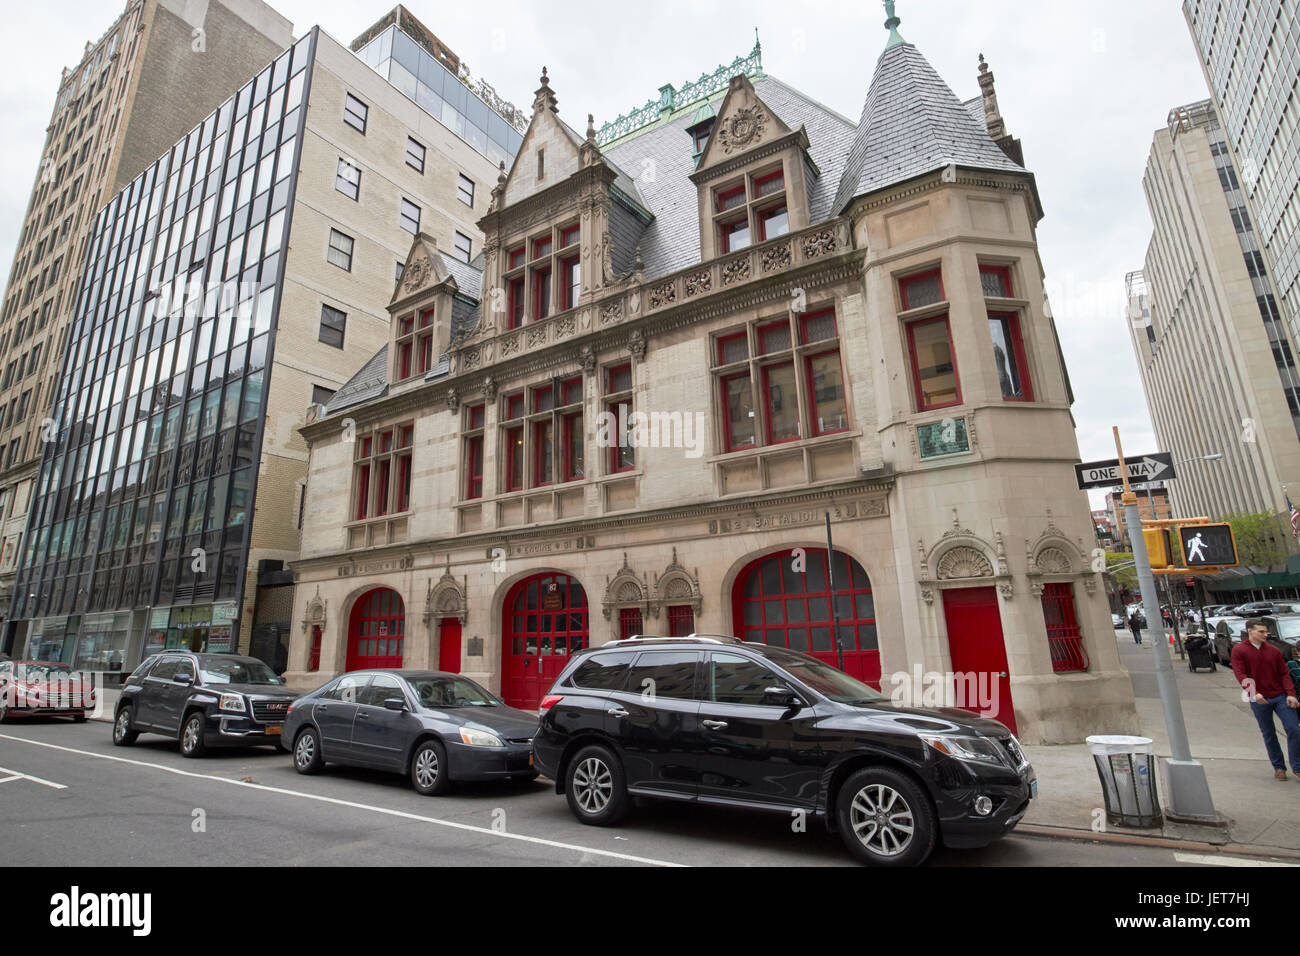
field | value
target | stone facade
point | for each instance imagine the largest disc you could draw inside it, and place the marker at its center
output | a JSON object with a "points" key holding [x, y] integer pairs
{"points": [[785, 372]]}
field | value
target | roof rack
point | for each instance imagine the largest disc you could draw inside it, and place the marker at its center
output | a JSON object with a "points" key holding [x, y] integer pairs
{"points": [[707, 638]]}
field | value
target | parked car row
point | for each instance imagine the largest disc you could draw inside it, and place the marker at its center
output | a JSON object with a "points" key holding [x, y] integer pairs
{"points": [[702, 719]]}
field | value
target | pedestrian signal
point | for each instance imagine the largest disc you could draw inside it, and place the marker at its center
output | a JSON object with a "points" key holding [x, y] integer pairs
{"points": [[1208, 545]]}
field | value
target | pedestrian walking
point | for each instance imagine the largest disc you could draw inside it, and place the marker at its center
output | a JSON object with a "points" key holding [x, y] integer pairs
{"points": [[1135, 624], [1263, 674]]}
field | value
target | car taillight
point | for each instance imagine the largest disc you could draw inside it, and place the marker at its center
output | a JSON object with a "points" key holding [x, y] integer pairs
{"points": [[549, 701]]}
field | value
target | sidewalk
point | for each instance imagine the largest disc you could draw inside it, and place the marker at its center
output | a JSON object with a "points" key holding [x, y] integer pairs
{"points": [[1263, 813]]}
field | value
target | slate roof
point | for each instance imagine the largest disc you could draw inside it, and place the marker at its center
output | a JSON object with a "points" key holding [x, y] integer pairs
{"points": [[672, 240], [912, 124], [468, 279], [369, 383]]}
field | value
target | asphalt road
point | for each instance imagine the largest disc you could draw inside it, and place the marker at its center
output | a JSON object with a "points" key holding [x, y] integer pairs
{"points": [[68, 797]]}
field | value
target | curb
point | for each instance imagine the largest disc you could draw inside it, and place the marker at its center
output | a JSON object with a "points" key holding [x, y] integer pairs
{"points": [[1234, 849]]}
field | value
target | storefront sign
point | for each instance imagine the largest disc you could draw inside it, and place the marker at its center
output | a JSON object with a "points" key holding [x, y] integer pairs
{"points": [[532, 548], [224, 613], [159, 617], [376, 567]]}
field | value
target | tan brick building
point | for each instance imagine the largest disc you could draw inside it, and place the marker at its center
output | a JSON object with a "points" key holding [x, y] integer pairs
{"points": [[156, 71], [695, 333], [228, 290]]}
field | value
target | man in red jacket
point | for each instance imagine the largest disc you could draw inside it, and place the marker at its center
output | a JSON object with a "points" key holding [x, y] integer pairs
{"points": [[1262, 673]]}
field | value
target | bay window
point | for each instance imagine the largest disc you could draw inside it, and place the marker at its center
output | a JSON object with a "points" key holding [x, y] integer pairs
{"points": [[1009, 357], [414, 354], [934, 368]]}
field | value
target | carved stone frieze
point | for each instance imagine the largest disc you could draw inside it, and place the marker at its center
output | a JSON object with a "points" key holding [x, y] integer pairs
{"points": [[661, 295], [823, 242], [963, 562], [737, 270], [775, 259], [698, 283]]}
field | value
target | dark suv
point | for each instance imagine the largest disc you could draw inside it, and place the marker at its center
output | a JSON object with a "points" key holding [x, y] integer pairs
{"points": [[719, 721], [205, 700]]}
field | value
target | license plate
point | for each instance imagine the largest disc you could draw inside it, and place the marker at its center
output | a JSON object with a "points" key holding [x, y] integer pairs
{"points": [[274, 729], [1033, 789]]}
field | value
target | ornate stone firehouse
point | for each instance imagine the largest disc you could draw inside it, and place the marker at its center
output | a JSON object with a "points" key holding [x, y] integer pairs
{"points": [[693, 334]]}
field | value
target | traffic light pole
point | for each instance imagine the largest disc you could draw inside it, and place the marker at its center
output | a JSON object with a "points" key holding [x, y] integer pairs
{"points": [[1188, 789]]}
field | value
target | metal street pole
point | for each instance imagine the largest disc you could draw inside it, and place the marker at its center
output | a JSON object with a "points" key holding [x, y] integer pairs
{"points": [[1189, 791], [835, 611]]}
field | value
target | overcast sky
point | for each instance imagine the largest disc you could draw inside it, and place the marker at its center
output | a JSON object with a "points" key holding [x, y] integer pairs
{"points": [[1082, 84]]}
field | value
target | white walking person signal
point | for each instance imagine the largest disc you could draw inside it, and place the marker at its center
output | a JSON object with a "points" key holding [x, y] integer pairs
{"points": [[1194, 546]]}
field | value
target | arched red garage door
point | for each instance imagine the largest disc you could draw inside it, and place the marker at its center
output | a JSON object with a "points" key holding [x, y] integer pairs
{"points": [[784, 599], [544, 621], [376, 630]]}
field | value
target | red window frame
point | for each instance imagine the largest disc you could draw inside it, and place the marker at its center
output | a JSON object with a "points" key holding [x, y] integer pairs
{"points": [[1019, 356], [407, 325], [542, 247], [571, 391], [569, 235], [474, 467], [681, 620], [540, 445], [629, 622], [612, 374], [807, 317], [540, 300], [383, 478], [515, 303], [767, 403], [514, 476], [921, 405], [722, 347], [765, 330], [765, 214], [363, 492], [907, 281], [1005, 273], [615, 450], [515, 258], [515, 406], [426, 318], [543, 399], [761, 181], [1064, 639], [813, 430], [728, 441], [403, 483], [404, 361], [476, 415], [729, 228], [571, 429], [571, 274], [725, 194], [426, 353]]}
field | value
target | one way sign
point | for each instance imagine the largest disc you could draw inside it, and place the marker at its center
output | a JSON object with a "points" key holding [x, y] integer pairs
{"points": [[1105, 474]]}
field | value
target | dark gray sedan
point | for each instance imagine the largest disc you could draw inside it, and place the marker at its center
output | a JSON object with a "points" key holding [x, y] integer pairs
{"points": [[434, 727]]}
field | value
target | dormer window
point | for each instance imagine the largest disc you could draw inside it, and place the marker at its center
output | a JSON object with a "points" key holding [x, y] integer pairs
{"points": [[750, 211], [414, 344], [549, 280]]}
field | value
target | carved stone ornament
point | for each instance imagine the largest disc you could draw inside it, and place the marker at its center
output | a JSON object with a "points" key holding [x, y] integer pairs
{"points": [[447, 598], [737, 270], [698, 283], [417, 272], [677, 586], [1090, 583], [963, 562], [453, 399], [611, 312], [490, 388], [625, 589], [741, 128], [315, 613], [587, 356], [636, 345], [1006, 589], [1052, 561], [662, 295], [776, 258], [927, 595], [820, 243]]}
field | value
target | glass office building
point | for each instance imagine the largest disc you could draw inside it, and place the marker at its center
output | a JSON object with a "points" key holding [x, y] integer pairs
{"points": [[144, 500], [414, 71]]}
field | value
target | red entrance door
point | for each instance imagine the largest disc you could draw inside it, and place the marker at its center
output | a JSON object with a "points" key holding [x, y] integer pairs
{"points": [[376, 630], [544, 621], [979, 654], [449, 645], [785, 599]]}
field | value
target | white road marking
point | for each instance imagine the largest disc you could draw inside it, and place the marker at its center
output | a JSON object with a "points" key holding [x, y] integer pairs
{"points": [[387, 811], [18, 775], [1214, 859]]}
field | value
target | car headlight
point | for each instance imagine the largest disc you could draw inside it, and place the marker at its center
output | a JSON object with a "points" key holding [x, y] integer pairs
{"points": [[479, 738], [233, 702], [970, 749]]}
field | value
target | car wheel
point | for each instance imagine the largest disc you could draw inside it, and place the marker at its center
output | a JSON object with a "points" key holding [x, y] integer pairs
{"points": [[596, 787], [307, 757], [123, 735], [429, 771], [884, 818], [192, 736]]}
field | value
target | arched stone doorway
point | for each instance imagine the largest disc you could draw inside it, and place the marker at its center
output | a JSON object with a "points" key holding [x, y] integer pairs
{"points": [[544, 619], [376, 630]]}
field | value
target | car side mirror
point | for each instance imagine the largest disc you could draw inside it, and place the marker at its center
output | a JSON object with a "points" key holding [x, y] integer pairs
{"points": [[183, 678], [395, 703], [782, 697]]}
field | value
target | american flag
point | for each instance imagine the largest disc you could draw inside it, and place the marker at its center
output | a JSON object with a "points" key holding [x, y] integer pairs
{"points": [[1295, 518]]}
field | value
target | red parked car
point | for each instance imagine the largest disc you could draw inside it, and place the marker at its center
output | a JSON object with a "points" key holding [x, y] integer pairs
{"points": [[43, 689]]}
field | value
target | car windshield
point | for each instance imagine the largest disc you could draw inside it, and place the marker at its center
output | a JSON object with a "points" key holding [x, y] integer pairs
{"points": [[33, 672], [1289, 628], [826, 680], [450, 692], [237, 671]]}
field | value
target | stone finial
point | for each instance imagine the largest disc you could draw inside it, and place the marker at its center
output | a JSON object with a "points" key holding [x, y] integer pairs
{"points": [[992, 118], [638, 266], [591, 127], [501, 174], [544, 97], [499, 190]]}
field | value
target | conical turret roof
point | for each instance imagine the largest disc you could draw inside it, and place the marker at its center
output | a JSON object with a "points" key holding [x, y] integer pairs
{"points": [[912, 124]]}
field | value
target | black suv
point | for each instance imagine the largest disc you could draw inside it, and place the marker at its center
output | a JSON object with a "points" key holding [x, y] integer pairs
{"points": [[720, 721], [205, 700]]}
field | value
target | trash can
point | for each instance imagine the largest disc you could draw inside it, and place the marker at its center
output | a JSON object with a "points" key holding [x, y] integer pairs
{"points": [[1127, 767]]}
